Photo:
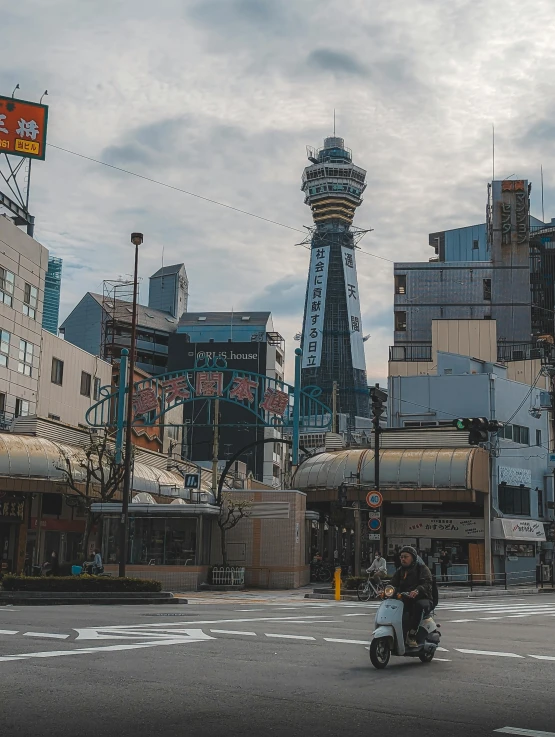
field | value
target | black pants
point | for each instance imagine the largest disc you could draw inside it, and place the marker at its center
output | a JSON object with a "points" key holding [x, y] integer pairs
{"points": [[444, 572], [414, 609]]}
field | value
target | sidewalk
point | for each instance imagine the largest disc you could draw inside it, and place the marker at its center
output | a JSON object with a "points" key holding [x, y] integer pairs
{"points": [[445, 594]]}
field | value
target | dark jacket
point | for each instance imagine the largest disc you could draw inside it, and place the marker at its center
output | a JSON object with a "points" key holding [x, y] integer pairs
{"points": [[417, 577]]}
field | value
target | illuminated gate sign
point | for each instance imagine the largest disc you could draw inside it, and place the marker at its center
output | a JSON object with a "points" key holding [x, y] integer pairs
{"points": [[23, 128]]}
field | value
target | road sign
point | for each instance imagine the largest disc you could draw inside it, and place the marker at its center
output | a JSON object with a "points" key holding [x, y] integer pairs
{"points": [[374, 499], [374, 512], [192, 481], [374, 524], [374, 536]]}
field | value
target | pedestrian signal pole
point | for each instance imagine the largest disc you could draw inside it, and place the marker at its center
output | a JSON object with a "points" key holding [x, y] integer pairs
{"points": [[378, 398]]}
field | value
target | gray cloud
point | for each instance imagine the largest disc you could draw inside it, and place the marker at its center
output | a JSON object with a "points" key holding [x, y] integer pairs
{"points": [[336, 62]]}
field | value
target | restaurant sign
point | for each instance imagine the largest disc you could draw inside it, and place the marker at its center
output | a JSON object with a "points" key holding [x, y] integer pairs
{"points": [[23, 128], [436, 527]]}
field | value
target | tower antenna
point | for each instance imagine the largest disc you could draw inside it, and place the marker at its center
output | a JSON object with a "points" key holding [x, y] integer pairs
{"points": [[334, 121], [493, 152], [543, 211]]}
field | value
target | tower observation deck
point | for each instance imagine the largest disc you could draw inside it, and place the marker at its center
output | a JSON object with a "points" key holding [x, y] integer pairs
{"points": [[332, 342]]}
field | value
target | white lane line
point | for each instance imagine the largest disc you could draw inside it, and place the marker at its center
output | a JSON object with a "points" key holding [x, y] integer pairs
{"points": [[363, 614], [489, 652], [199, 636], [524, 732], [348, 642], [45, 634], [542, 657], [461, 620], [9, 632], [292, 637], [248, 610], [233, 632], [442, 650], [442, 660]]}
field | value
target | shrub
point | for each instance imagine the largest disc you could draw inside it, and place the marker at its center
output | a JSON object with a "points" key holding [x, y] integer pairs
{"points": [[79, 583], [353, 582]]}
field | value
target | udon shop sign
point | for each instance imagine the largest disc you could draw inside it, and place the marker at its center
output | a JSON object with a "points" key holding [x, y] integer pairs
{"points": [[436, 527]]}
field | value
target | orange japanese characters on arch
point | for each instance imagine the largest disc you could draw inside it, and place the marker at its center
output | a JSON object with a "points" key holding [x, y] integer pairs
{"points": [[23, 128]]}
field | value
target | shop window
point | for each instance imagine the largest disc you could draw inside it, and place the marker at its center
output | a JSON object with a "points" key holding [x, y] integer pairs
{"points": [[57, 372], [520, 550], [4, 347], [30, 297], [85, 384], [400, 283], [514, 500], [7, 281], [401, 321]]}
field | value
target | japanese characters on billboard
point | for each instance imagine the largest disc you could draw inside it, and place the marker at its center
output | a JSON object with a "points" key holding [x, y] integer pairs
{"points": [[353, 307], [23, 128], [440, 527], [313, 328]]}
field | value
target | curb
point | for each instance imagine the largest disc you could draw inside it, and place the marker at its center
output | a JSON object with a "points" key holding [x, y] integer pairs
{"points": [[41, 598], [478, 594]]}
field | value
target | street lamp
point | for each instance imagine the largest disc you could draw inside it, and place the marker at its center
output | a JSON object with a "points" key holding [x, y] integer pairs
{"points": [[136, 240]]}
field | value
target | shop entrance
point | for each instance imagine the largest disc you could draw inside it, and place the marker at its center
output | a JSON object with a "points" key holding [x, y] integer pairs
{"points": [[6, 562], [477, 560]]}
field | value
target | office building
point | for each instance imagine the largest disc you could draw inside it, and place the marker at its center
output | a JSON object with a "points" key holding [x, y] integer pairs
{"points": [[52, 288], [332, 338], [247, 342]]}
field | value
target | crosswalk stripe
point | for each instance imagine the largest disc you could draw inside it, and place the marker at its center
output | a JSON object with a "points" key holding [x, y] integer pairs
{"points": [[489, 652], [525, 732]]}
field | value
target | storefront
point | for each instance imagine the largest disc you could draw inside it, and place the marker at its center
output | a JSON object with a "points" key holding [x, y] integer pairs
{"points": [[12, 515], [462, 539], [516, 547]]}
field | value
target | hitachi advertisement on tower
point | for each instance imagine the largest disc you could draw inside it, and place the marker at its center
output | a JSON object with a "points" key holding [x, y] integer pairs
{"points": [[353, 307], [315, 306]]}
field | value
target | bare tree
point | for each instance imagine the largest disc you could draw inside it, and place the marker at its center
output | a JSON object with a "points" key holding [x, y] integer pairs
{"points": [[94, 476], [232, 511]]}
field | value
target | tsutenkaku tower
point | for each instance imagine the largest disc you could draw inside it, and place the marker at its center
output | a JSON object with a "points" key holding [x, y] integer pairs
{"points": [[332, 338]]}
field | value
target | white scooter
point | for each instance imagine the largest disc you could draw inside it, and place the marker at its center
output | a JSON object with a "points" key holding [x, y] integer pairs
{"points": [[388, 638]]}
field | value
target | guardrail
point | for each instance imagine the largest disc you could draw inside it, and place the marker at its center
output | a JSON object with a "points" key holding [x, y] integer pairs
{"points": [[507, 580], [228, 576], [410, 353]]}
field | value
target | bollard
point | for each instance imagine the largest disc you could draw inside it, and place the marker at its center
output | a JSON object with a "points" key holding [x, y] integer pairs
{"points": [[337, 581]]}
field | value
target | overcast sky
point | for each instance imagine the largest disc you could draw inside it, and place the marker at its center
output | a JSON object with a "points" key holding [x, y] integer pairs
{"points": [[221, 97]]}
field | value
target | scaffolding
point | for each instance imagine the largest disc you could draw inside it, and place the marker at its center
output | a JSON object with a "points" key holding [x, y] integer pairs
{"points": [[117, 303]]}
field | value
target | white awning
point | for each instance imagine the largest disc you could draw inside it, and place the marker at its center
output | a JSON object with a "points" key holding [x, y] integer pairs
{"points": [[506, 528]]}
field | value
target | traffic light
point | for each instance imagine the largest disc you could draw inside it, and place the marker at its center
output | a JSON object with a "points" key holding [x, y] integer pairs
{"points": [[478, 428], [342, 495], [378, 397]]}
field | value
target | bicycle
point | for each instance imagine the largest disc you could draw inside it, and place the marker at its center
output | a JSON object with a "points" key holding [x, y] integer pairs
{"points": [[321, 572], [369, 590]]}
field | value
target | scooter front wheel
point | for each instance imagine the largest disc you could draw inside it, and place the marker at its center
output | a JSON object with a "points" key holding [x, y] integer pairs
{"points": [[364, 592], [380, 652], [427, 656]]}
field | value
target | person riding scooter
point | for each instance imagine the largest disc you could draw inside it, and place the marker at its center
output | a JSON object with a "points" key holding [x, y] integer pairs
{"points": [[414, 578]]}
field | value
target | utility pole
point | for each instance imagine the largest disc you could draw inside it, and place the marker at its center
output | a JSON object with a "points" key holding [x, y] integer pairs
{"points": [[378, 397], [334, 407], [215, 446]]}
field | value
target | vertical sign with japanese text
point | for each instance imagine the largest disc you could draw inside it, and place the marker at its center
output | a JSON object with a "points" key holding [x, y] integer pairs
{"points": [[23, 128], [315, 306], [353, 307]]}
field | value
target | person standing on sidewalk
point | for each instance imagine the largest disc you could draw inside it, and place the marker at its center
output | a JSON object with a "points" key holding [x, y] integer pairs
{"points": [[444, 562]]}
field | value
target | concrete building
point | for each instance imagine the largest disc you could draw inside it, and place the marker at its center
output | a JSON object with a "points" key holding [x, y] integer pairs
{"points": [[521, 477], [101, 323], [23, 266], [247, 341], [52, 291], [500, 270]]}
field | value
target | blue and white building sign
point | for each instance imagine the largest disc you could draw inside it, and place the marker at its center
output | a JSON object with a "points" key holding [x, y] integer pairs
{"points": [[353, 307], [313, 328]]}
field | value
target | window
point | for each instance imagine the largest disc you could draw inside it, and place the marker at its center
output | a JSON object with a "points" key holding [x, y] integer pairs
{"points": [[279, 358], [96, 390], [2, 403], [25, 364], [21, 408], [57, 373], [53, 417], [514, 499], [4, 347], [401, 321], [400, 283], [7, 280], [521, 435], [539, 438], [30, 301], [475, 245], [540, 502], [85, 384], [487, 290]]}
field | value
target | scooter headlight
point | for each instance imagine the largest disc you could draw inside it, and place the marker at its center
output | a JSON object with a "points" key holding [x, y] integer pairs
{"points": [[389, 591]]}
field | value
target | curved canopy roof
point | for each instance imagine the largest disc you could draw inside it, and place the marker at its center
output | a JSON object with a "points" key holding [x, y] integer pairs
{"points": [[31, 457], [427, 468]]}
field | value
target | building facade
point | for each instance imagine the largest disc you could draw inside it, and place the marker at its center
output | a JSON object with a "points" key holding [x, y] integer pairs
{"points": [[247, 342], [101, 323], [332, 339], [52, 291]]}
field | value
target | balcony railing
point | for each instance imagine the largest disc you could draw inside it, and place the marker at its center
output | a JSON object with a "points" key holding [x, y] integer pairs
{"points": [[6, 419], [410, 353], [518, 351]]}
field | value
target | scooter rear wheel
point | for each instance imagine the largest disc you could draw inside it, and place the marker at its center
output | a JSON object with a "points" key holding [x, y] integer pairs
{"points": [[380, 652], [427, 657]]}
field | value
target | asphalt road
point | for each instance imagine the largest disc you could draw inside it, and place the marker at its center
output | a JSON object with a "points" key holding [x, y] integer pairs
{"points": [[257, 665]]}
